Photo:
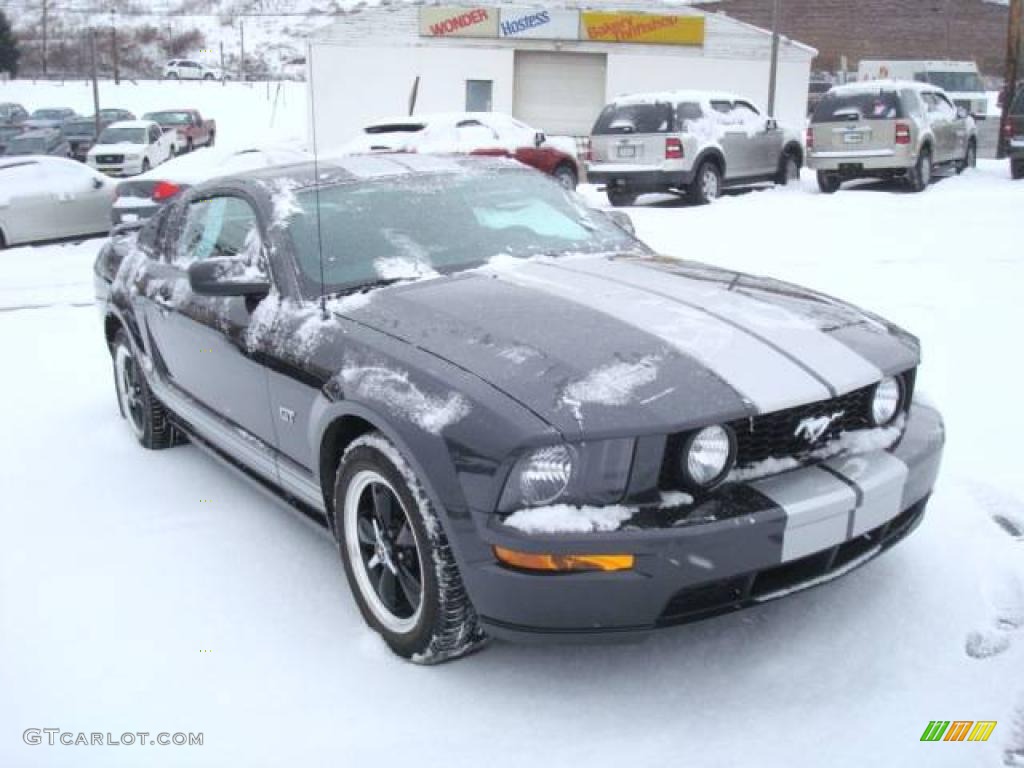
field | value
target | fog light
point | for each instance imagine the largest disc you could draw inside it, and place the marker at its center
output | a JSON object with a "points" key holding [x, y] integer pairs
{"points": [[886, 402], [707, 457], [562, 563]]}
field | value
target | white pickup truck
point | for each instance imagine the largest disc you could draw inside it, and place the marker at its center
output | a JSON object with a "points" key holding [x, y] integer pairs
{"points": [[131, 147]]}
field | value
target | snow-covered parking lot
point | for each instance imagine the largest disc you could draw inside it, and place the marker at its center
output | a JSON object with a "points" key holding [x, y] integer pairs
{"points": [[156, 592]]}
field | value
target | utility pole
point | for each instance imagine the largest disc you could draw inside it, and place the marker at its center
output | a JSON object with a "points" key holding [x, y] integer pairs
{"points": [[46, 9], [774, 74], [95, 83], [223, 72], [241, 63], [1012, 55], [113, 44]]}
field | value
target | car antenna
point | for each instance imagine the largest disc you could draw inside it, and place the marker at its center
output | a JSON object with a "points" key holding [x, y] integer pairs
{"points": [[316, 181]]}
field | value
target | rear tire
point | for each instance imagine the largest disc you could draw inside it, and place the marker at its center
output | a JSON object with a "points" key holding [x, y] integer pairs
{"points": [[397, 558], [213, 138], [146, 416], [707, 183], [172, 75], [1016, 173], [564, 174], [208, 77], [828, 183], [188, 145], [920, 175], [620, 197]]}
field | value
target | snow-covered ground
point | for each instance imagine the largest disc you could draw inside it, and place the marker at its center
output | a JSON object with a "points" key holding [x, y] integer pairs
{"points": [[155, 591]]}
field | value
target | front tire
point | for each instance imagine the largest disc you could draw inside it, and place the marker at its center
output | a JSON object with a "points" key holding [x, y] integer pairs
{"points": [[397, 559], [707, 183], [1016, 170], [970, 158], [213, 138], [828, 183], [920, 175], [146, 416], [789, 169]]}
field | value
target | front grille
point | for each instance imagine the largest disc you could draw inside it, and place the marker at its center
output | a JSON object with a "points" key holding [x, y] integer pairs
{"points": [[792, 433], [778, 435], [112, 159]]}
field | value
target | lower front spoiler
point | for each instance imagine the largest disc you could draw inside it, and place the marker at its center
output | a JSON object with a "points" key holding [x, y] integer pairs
{"points": [[738, 592], [748, 543]]}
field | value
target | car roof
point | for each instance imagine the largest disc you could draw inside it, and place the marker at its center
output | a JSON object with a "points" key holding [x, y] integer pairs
{"points": [[132, 124], [675, 97], [355, 168], [868, 86]]}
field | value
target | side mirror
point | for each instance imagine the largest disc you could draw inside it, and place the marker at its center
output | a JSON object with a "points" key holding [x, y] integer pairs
{"points": [[622, 221], [97, 183], [539, 138], [962, 113], [227, 277]]}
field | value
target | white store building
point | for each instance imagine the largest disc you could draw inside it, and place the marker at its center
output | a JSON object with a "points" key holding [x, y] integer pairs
{"points": [[552, 66]]}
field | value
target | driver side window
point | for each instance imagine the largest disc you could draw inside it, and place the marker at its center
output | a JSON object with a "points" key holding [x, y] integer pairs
{"points": [[220, 227]]}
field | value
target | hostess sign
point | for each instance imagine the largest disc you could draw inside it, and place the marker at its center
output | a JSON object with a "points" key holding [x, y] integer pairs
{"points": [[561, 24], [539, 24]]}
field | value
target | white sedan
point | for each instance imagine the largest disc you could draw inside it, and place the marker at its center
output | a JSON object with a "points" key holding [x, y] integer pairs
{"points": [[131, 147], [47, 198]]}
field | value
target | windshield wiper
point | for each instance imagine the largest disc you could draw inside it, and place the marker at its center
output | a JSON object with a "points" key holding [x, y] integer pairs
{"points": [[364, 287]]}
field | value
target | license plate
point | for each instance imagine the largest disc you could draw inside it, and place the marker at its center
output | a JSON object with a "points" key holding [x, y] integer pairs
{"points": [[130, 217], [853, 138], [627, 151]]}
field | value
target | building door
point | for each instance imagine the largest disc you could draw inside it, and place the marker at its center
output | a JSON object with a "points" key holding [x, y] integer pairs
{"points": [[559, 93]]}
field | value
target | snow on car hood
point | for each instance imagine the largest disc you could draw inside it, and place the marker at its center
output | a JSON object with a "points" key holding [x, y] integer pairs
{"points": [[123, 148], [603, 345]]}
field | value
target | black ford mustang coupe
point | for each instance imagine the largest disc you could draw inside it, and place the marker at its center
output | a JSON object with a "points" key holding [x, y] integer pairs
{"points": [[515, 419]]}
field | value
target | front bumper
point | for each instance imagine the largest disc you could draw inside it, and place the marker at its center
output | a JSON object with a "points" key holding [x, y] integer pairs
{"points": [[638, 179], [749, 543], [128, 168]]}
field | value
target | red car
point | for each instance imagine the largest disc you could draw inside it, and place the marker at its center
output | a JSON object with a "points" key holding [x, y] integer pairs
{"points": [[191, 130], [471, 133]]}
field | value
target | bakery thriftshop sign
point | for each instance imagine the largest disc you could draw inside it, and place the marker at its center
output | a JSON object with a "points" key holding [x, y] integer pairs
{"points": [[543, 24]]}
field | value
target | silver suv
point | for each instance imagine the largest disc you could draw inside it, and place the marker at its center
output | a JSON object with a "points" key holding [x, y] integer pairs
{"points": [[690, 142], [888, 129]]}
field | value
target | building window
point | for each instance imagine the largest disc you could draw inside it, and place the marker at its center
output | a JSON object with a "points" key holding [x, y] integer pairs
{"points": [[478, 95]]}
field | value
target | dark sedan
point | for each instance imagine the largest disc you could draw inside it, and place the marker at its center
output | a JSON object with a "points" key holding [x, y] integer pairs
{"points": [[41, 141], [512, 416]]}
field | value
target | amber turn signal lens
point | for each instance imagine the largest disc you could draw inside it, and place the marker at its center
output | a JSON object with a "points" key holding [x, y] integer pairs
{"points": [[563, 563]]}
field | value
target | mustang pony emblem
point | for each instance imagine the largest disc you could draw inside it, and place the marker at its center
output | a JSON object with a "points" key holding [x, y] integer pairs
{"points": [[811, 429]]}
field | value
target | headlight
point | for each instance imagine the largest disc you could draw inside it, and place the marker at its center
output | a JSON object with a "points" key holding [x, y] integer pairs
{"points": [[707, 457], [887, 401], [545, 475]]}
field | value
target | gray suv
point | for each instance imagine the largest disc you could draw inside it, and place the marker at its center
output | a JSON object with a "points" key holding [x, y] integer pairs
{"points": [[690, 142], [888, 129]]}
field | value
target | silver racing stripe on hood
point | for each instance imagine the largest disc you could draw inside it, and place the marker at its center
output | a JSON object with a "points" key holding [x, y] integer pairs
{"points": [[768, 379], [840, 368]]}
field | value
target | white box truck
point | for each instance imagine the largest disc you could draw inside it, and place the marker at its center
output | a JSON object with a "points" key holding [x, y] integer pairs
{"points": [[960, 79]]}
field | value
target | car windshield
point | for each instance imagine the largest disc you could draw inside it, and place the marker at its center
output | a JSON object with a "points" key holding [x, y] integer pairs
{"points": [[80, 128], [26, 145], [168, 118], [954, 81], [123, 136], [864, 105], [635, 118], [405, 227], [395, 128]]}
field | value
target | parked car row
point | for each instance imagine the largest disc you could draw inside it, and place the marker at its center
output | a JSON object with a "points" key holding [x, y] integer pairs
{"points": [[60, 132]]}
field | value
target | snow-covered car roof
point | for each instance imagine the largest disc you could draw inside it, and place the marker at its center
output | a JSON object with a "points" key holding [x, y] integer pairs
{"points": [[438, 118], [871, 86], [132, 124], [674, 97]]}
